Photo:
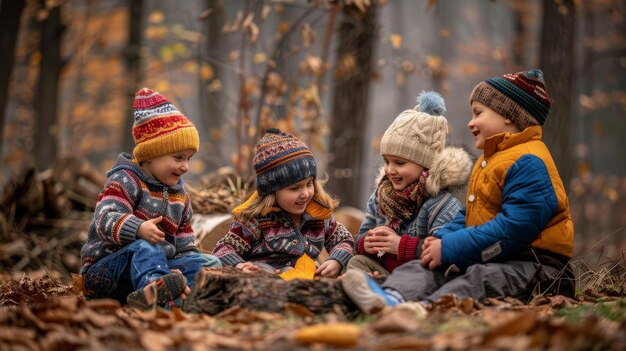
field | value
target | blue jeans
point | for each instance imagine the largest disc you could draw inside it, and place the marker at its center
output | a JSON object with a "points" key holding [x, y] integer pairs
{"points": [[136, 265]]}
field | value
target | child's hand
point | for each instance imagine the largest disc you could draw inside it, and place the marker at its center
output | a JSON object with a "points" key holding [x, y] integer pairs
{"points": [[247, 267], [150, 232], [383, 239], [368, 243], [431, 256], [374, 274], [329, 269]]}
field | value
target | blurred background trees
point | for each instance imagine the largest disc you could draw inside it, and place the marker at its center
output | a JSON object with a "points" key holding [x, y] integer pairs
{"points": [[334, 72]]}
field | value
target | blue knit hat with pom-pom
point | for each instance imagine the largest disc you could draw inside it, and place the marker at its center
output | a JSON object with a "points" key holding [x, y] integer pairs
{"points": [[419, 134]]}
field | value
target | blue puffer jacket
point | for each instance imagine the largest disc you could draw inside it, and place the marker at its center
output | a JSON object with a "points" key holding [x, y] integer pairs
{"points": [[515, 201]]}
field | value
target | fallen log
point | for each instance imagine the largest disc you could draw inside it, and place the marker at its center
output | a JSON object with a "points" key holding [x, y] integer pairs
{"points": [[218, 289]]}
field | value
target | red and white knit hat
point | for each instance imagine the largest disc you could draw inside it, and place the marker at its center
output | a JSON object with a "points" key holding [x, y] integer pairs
{"points": [[159, 128]]}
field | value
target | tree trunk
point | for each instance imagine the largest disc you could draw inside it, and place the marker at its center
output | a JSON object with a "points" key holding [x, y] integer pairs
{"points": [[10, 13], [212, 103], [133, 61], [46, 100], [349, 111], [521, 35], [216, 290], [556, 61]]}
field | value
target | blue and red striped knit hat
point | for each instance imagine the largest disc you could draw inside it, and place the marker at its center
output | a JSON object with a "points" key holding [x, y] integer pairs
{"points": [[281, 160], [159, 128], [520, 97]]}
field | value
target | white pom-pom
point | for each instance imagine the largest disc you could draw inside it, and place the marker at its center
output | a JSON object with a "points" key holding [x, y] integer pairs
{"points": [[431, 102]]}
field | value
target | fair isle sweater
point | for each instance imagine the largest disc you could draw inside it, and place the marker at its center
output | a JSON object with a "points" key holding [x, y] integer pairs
{"points": [[274, 239], [128, 199]]}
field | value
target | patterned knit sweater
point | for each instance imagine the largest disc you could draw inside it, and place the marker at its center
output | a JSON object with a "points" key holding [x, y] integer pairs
{"points": [[274, 239], [128, 199], [452, 171]]}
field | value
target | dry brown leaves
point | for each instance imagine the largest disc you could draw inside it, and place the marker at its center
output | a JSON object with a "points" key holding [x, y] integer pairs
{"points": [[46, 314], [219, 192]]}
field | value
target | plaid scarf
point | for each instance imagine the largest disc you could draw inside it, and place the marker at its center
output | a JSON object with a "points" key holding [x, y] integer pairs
{"points": [[399, 207]]}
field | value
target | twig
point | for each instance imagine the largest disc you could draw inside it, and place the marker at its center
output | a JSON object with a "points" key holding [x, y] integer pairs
{"points": [[599, 241]]}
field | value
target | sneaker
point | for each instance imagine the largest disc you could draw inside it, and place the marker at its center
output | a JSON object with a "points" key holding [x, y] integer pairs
{"points": [[417, 308], [365, 292], [167, 288]]}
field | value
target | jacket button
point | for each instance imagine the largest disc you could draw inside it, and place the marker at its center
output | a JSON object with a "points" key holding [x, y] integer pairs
{"points": [[286, 225], [471, 198], [294, 242], [483, 164]]}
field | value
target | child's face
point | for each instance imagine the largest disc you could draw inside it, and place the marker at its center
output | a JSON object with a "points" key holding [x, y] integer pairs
{"points": [[486, 123], [296, 197], [168, 169], [401, 172]]}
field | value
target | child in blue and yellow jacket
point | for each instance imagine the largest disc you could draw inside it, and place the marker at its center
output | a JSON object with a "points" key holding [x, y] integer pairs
{"points": [[515, 236]]}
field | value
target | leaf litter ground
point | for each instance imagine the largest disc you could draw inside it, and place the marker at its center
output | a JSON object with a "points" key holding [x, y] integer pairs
{"points": [[41, 311]]}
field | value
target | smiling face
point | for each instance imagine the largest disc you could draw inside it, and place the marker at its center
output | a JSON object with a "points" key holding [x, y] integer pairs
{"points": [[401, 172], [295, 197], [486, 123], [168, 169]]}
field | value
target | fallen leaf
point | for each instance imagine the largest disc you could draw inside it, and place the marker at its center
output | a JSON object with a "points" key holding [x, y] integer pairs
{"points": [[304, 269], [523, 322], [335, 334], [396, 320], [396, 41]]}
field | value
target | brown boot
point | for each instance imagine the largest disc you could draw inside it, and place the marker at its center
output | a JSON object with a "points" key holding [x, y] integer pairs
{"points": [[160, 291]]}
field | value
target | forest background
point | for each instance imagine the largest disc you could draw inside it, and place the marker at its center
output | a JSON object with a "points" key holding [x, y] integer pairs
{"points": [[335, 73]]}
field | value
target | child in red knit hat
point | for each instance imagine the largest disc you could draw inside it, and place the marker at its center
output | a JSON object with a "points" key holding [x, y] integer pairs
{"points": [[141, 248]]}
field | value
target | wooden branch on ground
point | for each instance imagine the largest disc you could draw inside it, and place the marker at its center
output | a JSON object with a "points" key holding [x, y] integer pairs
{"points": [[218, 289]]}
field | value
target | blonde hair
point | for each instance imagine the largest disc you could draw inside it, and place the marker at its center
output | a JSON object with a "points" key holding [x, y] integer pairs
{"points": [[262, 205]]}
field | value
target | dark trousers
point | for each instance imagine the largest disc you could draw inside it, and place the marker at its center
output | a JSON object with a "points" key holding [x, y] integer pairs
{"points": [[512, 278]]}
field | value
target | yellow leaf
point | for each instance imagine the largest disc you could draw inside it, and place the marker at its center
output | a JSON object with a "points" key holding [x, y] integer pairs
{"points": [[181, 49], [335, 334], [156, 17], [468, 68], [190, 66], [304, 269], [396, 41], [156, 32], [214, 86], [197, 166], [260, 57], [435, 63], [162, 86], [612, 194], [167, 54], [206, 72]]}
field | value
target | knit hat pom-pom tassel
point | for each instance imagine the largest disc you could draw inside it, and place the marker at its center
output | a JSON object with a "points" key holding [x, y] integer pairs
{"points": [[431, 102]]}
